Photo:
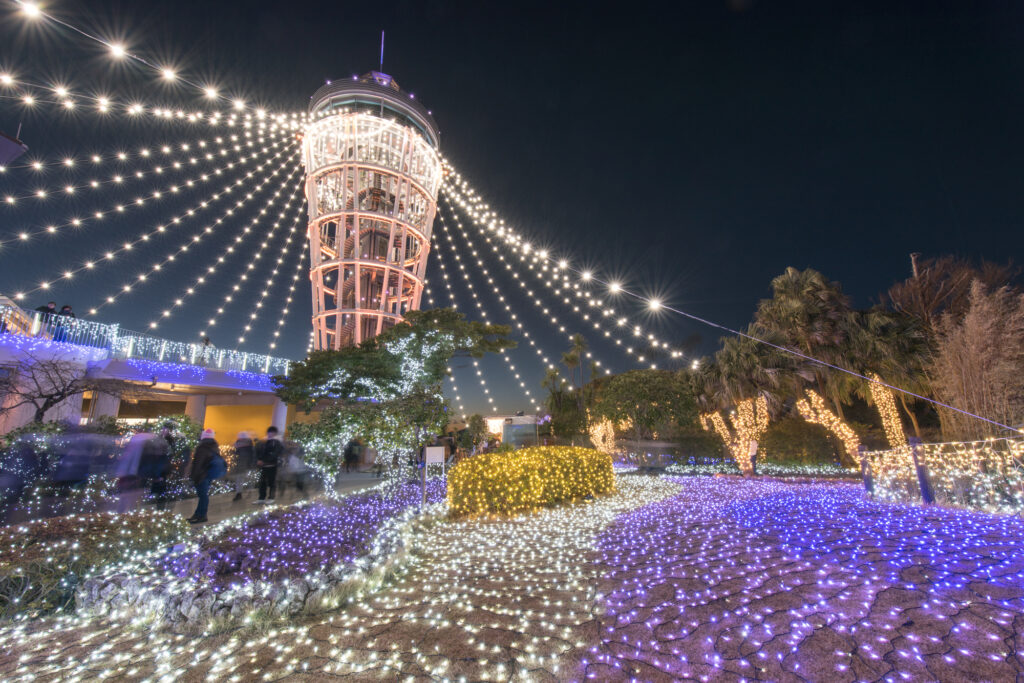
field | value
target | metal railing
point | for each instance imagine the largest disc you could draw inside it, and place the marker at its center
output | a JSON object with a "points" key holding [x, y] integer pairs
{"points": [[125, 344]]}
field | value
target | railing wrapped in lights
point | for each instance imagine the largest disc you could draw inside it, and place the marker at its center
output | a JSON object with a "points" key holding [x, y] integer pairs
{"points": [[981, 475], [125, 345]]}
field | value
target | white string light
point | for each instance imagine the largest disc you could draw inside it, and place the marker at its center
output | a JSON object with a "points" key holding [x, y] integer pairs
{"points": [[224, 147], [509, 365], [172, 190], [476, 364], [290, 236], [209, 271], [32, 96], [110, 255], [119, 51], [504, 301], [296, 277], [134, 110], [451, 372], [257, 255], [487, 221]]}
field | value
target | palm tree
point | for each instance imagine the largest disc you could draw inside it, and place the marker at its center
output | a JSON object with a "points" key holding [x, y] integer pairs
{"points": [[744, 368], [810, 314], [894, 346], [573, 360], [553, 382]]}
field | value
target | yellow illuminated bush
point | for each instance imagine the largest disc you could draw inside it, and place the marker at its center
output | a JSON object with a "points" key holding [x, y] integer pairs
{"points": [[527, 479]]}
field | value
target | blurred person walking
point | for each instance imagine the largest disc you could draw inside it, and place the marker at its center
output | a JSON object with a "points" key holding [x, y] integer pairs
{"points": [[295, 470], [207, 465], [244, 462], [269, 453], [352, 453], [155, 464]]}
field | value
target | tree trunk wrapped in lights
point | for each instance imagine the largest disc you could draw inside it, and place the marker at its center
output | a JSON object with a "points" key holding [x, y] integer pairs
{"points": [[602, 433], [886, 404], [814, 410], [749, 423]]}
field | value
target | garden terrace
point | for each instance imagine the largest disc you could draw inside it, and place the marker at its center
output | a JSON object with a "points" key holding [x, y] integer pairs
{"points": [[663, 579]]}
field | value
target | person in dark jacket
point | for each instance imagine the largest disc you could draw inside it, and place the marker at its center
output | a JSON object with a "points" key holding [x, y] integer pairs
{"points": [[200, 473], [351, 455], [244, 462], [62, 325], [50, 307], [268, 456], [155, 465]]}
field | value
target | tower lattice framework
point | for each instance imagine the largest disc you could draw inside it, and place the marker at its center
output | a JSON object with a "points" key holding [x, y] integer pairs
{"points": [[372, 176]]}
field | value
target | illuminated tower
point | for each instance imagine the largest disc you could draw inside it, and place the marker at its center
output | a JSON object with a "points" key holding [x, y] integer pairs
{"points": [[372, 176]]}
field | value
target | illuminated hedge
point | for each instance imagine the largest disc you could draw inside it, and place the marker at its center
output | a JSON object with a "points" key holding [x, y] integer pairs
{"points": [[527, 479], [42, 562]]}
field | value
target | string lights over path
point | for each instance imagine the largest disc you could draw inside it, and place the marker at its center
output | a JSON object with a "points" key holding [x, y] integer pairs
{"points": [[476, 364], [509, 365], [555, 275], [451, 372], [198, 152], [281, 253], [211, 120], [483, 214], [83, 219], [68, 102], [503, 300], [110, 255], [282, 318], [209, 271], [118, 51]]}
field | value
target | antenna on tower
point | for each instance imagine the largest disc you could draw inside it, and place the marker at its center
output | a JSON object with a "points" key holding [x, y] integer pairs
{"points": [[382, 51]]}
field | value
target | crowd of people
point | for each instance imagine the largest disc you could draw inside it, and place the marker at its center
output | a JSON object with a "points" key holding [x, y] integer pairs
{"points": [[274, 462], [43, 475]]}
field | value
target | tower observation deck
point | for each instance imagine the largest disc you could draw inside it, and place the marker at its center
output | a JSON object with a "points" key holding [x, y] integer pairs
{"points": [[372, 177]]}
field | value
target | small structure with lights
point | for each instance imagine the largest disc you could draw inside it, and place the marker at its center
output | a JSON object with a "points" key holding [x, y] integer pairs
{"points": [[372, 176]]}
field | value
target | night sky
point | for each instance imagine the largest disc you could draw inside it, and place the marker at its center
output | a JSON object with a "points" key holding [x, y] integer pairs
{"points": [[692, 150]]}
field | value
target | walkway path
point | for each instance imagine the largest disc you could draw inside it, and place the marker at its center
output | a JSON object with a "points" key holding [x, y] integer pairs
{"points": [[484, 599], [223, 506], [668, 579]]}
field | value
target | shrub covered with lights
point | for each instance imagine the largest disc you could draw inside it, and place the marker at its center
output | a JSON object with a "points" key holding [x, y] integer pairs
{"points": [[306, 557], [63, 469], [528, 479], [386, 390], [41, 563]]}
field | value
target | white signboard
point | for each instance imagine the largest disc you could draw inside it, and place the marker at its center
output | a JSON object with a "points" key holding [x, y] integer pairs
{"points": [[433, 455]]}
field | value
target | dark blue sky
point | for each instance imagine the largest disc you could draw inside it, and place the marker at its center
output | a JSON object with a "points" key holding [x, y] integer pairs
{"points": [[693, 150]]}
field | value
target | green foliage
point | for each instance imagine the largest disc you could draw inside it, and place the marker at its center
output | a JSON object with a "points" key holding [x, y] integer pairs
{"points": [[650, 401], [395, 428], [527, 479], [108, 425], [42, 562], [52, 428], [387, 390], [475, 432], [794, 440], [409, 357]]}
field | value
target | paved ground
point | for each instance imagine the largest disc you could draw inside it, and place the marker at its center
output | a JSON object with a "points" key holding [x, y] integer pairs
{"points": [[688, 579], [223, 505]]}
